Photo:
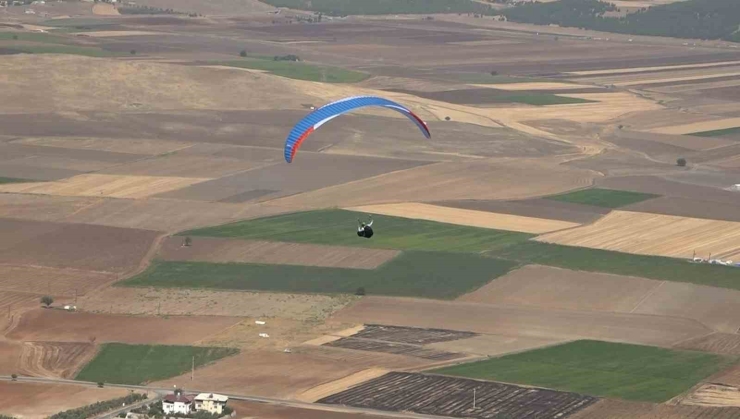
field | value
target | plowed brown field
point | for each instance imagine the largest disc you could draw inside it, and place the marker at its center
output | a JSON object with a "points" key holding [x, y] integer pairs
{"points": [[206, 249], [54, 359], [60, 326], [278, 374], [618, 409], [720, 343], [654, 234], [10, 358], [51, 281], [38, 401], [127, 145]]}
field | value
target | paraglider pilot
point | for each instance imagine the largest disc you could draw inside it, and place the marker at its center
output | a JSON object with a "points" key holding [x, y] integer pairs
{"points": [[364, 230]]}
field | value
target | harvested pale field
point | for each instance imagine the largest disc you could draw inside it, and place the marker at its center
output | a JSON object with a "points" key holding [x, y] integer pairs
{"points": [[75, 85], [713, 395], [47, 281], [110, 186], [105, 9], [176, 302], [619, 409], [10, 357], [676, 140], [654, 234], [448, 181], [699, 126], [650, 69], [10, 301], [536, 208], [555, 288], [695, 87], [127, 145], [39, 401], [61, 326], [719, 343], [72, 246], [207, 249], [730, 376], [254, 410], [47, 165], [467, 217], [680, 76], [185, 167], [42, 208], [534, 86], [522, 321], [287, 375], [54, 359], [342, 384], [494, 345], [714, 307]]}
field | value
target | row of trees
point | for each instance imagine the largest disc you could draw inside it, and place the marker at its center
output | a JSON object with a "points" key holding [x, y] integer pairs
{"points": [[96, 409], [698, 19], [155, 411]]}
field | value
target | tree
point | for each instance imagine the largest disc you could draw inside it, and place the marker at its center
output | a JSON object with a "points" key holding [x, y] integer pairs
{"points": [[133, 52], [15, 37], [243, 53], [14, 377], [47, 300], [360, 291], [447, 118], [188, 242], [494, 73], [101, 384], [681, 162]]}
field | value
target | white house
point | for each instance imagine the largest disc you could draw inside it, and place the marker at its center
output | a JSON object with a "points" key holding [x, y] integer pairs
{"points": [[211, 403], [178, 403]]}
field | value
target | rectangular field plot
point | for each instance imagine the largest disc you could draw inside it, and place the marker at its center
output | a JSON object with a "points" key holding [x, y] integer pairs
{"points": [[655, 234], [415, 274], [114, 186], [631, 372], [606, 198], [394, 348], [413, 335], [336, 227], [453, 397]]}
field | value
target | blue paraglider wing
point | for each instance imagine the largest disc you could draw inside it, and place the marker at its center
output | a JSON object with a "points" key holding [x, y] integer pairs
{"points": [[322, 115]]}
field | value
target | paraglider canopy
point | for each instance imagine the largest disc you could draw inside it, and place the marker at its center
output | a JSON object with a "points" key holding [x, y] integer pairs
{"points": [[320, 116]]}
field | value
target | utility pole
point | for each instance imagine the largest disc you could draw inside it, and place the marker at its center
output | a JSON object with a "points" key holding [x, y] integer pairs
{"points": [[192, 371], [75, 296], [474, 398], [159, 306]]}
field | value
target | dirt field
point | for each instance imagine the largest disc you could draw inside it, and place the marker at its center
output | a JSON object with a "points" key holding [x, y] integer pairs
{"points": [[666, 235], [467, 217], [137, 145], [494, 345], [536, 208], [105, 9], [10, 355], [713, 395], [211, 303], [38, 401], [554, 288], [250, 410], [618, 409], [447, 396], [30, 280], [717, 124], [447, 181], [17, 300], [521, 321], [278, 374], [720, 343], [651, 69], [206, 249], [60, 326], [185, 167], [112, 186], [54, 359], [70, 247]]}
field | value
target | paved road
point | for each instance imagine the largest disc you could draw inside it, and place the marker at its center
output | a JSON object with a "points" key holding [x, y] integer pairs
{"points": [[112, 414], [258, 399]]}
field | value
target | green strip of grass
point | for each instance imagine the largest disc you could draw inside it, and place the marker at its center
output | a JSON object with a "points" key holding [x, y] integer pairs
{"points": [[412, 274], [299, 70], [541, 99], [138, 364], [595, 260], [485, 78], [14, 180], [717, 133], [63, 49], [631, 372], [337, 227], [606, 198], [32, 37]]}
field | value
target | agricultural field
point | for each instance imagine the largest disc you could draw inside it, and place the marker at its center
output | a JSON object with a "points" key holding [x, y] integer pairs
{"points": [[139, 364], [298, 70], [414, 273], [606, 198], [54, 359], [332, 226], [630, 372], [447, 396], [39, 401], [717, 133]]}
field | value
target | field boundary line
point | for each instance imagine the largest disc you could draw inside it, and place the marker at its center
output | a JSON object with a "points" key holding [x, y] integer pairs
{"points": [[713, 332], [647, 295]]}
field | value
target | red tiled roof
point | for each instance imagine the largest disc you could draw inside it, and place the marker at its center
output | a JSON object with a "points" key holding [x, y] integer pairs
{"points": [[172, 398]]}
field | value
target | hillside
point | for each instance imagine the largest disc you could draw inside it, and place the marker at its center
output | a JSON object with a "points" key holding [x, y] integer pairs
{"points": [[382, 7]]}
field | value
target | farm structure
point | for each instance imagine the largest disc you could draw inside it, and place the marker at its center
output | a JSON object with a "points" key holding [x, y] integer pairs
{"points": [[459, 397]]}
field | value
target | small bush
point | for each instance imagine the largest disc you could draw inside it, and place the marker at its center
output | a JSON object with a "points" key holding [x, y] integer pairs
{"points": [[360, 291], [681, 162], [14, 377], [243, 53], [47, 300], [101, 384], [447, 118], [132, 52]]}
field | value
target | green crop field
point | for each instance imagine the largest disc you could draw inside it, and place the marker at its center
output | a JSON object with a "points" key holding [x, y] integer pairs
{"points": [[337, 227], [607, 198], [33, 37], [383, 7], [717, 133], [631, 372], [540, 99], [485, 78], [412, 274], [596, 260], [138, 364], [299, 70], [62, 49]]}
